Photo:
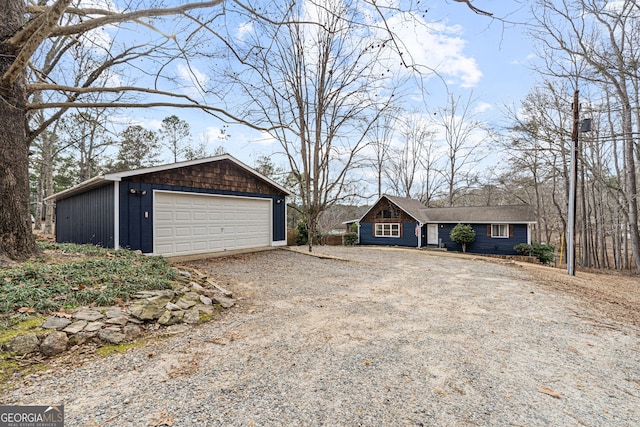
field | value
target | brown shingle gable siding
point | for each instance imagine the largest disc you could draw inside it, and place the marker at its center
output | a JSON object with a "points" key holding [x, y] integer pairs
{"points": [[221, 175], [385, 204]]}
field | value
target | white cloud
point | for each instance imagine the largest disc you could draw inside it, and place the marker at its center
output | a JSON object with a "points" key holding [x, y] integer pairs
{"points": [[212, 134], [263, 139], [436, 46], [244, 29], [483, 107], [193, 80]]}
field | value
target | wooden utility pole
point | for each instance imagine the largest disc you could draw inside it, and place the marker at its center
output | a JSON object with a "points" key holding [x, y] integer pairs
{"points": [[573, 177]]}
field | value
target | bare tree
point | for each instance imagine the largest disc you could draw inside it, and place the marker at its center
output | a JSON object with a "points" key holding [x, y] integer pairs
{"points": [[605, 36], [318, 86], [28, 26], [381, 138], [463, 143], [404, 166]]}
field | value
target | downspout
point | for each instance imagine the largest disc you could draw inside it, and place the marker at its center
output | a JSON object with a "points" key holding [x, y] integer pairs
{"points": [[419, 234]]}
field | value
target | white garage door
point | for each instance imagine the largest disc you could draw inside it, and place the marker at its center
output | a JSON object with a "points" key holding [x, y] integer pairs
{"points": [[186, 223]]}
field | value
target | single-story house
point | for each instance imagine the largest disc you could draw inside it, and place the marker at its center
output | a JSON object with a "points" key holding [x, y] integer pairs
{"points": [[400, 221], [199, 206]]}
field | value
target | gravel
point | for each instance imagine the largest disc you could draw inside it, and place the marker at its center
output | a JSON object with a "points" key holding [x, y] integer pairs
{"points": [[374, 337]]}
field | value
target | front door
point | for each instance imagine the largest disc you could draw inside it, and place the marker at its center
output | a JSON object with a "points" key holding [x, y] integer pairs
{"points": [[432, 234]]}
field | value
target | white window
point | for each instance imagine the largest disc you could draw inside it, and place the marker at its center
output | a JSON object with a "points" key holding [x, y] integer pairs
{"points": [[387, 230], [500, 231]]}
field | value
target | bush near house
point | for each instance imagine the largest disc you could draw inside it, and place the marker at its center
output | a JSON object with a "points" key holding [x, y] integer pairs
{"points": [[350, 239], [545, 253], [463, 234]]}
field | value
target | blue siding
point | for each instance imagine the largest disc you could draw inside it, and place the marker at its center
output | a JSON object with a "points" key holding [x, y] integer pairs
{"points": [[136, 231], [87, 217], [408, 237], [485, 244]]}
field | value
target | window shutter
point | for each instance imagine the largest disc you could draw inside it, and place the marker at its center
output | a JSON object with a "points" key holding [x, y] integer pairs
{"points": [[488, 230], [510, 231]]}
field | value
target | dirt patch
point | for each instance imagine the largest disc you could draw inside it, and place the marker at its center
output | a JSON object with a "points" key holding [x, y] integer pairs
{"points": [[368, 336], [615, 294]]}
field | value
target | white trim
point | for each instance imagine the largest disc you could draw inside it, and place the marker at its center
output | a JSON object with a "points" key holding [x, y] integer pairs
{"points": [[190, 193], [279, 243], [85, 185], [431, 225], [116, 215], [499, 236], [390, 224], [419, 236]]}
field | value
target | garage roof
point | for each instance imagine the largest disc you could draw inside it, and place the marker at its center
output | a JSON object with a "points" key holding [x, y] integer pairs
{"points": [[117, 176]]}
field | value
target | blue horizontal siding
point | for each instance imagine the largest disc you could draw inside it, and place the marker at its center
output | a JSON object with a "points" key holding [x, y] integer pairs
{"points": [[483, 243], [408, 238]]}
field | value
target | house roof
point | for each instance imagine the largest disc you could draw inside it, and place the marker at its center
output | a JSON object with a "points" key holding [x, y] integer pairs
{"points": [[117, 176], [512, 214]]}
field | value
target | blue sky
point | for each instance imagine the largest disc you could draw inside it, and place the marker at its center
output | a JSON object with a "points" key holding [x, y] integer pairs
{"points": [[471, 52]]}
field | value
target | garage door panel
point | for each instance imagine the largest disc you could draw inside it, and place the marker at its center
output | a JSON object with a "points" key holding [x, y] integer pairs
{"points": [[199, 216], [164, 232], [183, 216], [197, 223]]}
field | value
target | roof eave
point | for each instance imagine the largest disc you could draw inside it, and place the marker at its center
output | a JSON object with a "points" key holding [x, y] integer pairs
{"points": [[83, 186]]}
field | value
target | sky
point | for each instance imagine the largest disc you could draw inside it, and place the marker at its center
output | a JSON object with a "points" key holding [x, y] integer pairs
{"points": [[472, 53]]}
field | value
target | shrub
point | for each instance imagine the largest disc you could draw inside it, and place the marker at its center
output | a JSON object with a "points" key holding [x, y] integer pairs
{"points": [[545, 253], [350, 239], [463, 234], [353, 228], [303, 233], [524, 249]]}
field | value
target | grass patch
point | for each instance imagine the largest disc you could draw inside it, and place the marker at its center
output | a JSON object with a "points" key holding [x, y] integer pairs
{"points": [[109, 349], [30, 324], [70, 275]]}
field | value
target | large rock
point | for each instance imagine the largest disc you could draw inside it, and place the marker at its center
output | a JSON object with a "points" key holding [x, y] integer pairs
{"points": [[114, 312], [225, 302], [54, 343], [93, 326], [120, 321], [88, 314], [185, 304], [172, 307], [24, 344], [56, 323], [171, 318], [150, 308], [75, 327], [132, 331], [111, 335]]}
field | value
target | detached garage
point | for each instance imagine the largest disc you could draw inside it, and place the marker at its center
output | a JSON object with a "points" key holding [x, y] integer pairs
{"points": [[200, 206]]}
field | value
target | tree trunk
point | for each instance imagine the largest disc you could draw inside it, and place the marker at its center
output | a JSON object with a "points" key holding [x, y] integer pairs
{"points": [[16, 238]]}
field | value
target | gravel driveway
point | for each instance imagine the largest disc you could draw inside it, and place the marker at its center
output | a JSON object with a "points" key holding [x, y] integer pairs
{"points": [[380, 337]]}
